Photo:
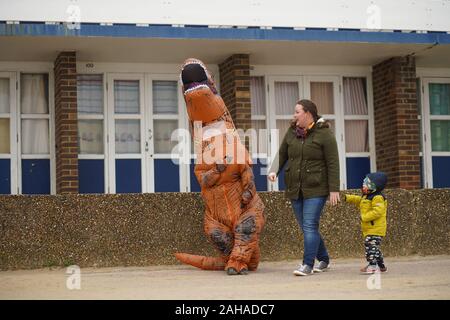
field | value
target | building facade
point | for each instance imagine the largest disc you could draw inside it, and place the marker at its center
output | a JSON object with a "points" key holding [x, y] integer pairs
{"points": [[90, 99]]}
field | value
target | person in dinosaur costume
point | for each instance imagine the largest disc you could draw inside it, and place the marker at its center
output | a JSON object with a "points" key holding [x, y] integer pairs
{"points": [[234, 213]]}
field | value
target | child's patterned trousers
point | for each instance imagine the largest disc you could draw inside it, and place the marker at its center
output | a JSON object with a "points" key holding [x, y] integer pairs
{"points": [[373, 253]]}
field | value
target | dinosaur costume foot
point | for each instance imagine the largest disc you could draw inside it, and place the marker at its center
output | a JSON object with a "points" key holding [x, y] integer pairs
{"points": [[233, 272]]}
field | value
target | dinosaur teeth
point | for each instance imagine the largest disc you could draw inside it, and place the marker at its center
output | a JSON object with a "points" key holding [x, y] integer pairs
{"points": [[196, 87]]}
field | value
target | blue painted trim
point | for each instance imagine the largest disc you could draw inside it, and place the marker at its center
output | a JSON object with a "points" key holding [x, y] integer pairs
{"points": [[195, 186], [260, 179], [167, 176], [35, 176], [203, 32], [91, 176], [128, 176], [357, 168], [5, 176], [441, 174]]}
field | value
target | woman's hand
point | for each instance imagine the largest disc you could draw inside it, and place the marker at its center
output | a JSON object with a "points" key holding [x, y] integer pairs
{"points": [[272, 176], [334, 198]]}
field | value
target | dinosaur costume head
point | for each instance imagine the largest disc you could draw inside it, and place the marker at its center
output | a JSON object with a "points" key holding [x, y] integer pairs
{"points": [[200, 93]]}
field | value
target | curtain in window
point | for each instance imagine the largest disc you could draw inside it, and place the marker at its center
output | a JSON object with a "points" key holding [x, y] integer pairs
{"points": [[4, 123], [4, 95], [90, 136], [165, 97], [286, 97], [356, 136], [34, 94], [90, 102], [126, 96], [261, 133], [4, 136], [90, 93], [322, 95], [163, 130], [34, 100], [257, 97], [128, 136], [35, 136], [355, 103]]}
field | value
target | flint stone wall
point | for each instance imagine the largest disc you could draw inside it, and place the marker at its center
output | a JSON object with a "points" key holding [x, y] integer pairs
{"points": [[146, 229]]}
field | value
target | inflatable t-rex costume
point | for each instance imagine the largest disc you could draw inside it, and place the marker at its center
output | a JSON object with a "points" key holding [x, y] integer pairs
{"points": [[234, 213]]}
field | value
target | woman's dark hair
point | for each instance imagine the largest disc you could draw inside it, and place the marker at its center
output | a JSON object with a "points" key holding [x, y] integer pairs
{"points": [[309, 106]]}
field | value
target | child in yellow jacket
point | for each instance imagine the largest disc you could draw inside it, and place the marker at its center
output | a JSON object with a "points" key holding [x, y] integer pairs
{"points": [[373, 207]]}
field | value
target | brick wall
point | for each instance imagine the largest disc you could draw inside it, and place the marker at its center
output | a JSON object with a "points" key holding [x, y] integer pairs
{"points": [[235, 88], [396, 124], [66, 123]]}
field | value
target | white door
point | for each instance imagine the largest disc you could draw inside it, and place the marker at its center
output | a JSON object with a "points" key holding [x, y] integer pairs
{"points": [[126, 134], [167, 136]]}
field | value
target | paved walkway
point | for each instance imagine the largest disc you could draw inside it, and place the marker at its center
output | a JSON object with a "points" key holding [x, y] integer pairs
{"points": [[408, 278]]}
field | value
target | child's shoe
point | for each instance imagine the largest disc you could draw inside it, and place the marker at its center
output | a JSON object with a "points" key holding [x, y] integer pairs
{"points": [[382, 267], [370, 269]]}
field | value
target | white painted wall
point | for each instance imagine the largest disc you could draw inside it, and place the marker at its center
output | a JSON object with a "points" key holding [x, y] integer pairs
{"points": [[430, 15]]}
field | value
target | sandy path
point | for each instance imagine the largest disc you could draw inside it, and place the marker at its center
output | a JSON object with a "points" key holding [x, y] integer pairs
{"points": [[408, 278]]}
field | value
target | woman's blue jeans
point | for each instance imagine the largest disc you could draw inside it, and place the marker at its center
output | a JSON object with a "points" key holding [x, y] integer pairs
{"points": [[307, 212]]}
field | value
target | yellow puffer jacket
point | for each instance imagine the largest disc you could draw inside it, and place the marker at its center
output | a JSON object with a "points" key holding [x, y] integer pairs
{"points": [[373, 213]]}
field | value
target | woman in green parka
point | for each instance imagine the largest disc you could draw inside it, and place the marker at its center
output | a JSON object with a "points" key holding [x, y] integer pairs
{"points": [[311, 175]]}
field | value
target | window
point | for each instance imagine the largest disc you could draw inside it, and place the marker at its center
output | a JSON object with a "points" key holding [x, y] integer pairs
{"points": [[5, 116], [91, 144], [440, 120], [356, 115], [436, 124], [165, 115], [356, 123], [35, 133]]}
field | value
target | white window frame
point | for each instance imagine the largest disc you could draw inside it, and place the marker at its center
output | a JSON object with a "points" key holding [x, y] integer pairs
{"points": [[17, 68], [371, 126], [426, 129], [112, 117], [50, 116], [12, 116], [103, 117], [181, 117]]}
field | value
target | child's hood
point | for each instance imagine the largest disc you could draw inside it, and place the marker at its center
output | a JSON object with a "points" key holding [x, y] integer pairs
{"points": [[379, 178]]}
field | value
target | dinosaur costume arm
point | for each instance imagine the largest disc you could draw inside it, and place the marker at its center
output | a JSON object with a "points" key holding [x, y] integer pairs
{"points": [[248, 184], [207, 176]]}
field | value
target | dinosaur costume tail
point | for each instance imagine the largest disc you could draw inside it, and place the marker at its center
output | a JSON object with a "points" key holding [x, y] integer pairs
{"points": [[202, 262]]}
